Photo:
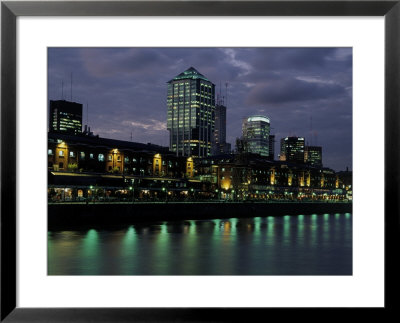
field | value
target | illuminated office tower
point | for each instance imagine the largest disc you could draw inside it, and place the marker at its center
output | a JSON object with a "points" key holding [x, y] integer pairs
{"points": [[292, 149], [191, 114], [313, 155], [255, 132], [65, 116]]}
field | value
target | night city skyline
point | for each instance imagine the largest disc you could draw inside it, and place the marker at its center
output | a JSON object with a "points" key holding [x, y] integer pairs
{"points": [[306, 92]]}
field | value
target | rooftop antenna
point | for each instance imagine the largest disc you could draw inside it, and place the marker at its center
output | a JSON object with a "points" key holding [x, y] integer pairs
{"points": [[131, 136], [226, 94], [62, 90], [87, 113], [220, 96], [71, 86], [311, 132]]}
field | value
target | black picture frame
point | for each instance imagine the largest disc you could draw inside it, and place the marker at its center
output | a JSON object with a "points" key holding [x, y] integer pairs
{"points": [[10, 10]]}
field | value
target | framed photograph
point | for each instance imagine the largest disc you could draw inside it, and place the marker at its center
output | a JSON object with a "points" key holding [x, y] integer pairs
{"points": [[161, 159]]}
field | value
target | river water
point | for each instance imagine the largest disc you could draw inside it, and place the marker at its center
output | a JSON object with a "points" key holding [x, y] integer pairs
{"points": [[283, 245]]}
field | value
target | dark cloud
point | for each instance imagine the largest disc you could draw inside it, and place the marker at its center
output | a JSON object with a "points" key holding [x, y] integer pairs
{"points": [[305, 91], [293, 90]]}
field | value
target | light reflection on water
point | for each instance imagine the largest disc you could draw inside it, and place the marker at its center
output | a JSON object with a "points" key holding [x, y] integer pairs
{"points": [[288, 245]]}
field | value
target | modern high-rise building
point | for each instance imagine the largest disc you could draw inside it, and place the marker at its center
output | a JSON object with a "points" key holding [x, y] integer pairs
{"points": [[219, 144], [255, 132], [292, 149], [65, 116], [191, 114], [313, 155]]}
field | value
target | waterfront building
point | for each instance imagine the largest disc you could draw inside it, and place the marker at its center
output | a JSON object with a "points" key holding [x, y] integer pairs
{"points": [[219, 144], [83, 165], [66, 117], [191, 114], [313, 155], [102, 155], [256, 132], [292, 149], [255, 176]]}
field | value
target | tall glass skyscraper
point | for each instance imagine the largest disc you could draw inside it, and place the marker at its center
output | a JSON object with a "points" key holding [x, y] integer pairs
{"points": [[255, 131], [191, 114], [219, 144]]}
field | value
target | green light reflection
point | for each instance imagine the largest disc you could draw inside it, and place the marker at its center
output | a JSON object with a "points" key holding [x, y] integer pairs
{"points": [[314, 218], [300, 228], [91, 252], [286, 229], [128, 251], [233, 222]]}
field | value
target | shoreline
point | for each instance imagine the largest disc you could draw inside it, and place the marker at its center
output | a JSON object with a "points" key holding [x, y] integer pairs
{"points": [[101, 214]]}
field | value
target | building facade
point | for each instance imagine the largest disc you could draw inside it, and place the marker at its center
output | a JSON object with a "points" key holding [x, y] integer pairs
{"points": [[100, 155], [292, 149], [84, 166], [256, 132], [191, 114], [66, 117], [271, 147], [313, 155], [251, 176]]}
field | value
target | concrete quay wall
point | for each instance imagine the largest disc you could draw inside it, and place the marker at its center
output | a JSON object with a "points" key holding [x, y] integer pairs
{"points": [[62, 215]]}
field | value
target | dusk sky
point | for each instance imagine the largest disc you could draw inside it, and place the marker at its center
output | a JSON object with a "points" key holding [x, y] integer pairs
{"points": [[305, 92]]}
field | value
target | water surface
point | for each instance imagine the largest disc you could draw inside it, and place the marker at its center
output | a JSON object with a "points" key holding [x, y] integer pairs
{"points": [[283, 245]]}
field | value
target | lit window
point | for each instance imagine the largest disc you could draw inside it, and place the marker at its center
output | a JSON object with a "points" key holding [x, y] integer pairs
{"points": [[82, 155], [119, 158], [71, 154], [101, 157], [110, 157], [50, 151], [61, 153], [91, 156]]}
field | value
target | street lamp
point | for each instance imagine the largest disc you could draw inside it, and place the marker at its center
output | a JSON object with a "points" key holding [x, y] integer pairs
{"points": [[192, 191], [89, 190]]}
